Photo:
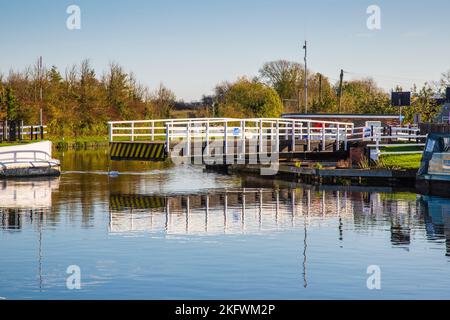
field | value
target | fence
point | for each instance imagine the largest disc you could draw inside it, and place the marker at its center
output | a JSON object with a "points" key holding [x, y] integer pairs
{"points": [[12, 131], [400, 138]]}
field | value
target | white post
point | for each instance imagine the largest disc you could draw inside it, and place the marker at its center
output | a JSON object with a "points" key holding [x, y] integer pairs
{"points": [[153, 130], [345, 138], [167, 137], [132, 131], [188, 137], [261, 139], [309, 136], [377, 144], [324, 143], [110, 131], [225, 137], [338, 137], [278, 136], [293, 136], [207, 138], [243, 136]]}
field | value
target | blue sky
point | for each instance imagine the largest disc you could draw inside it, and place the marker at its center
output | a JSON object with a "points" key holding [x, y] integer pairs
{"points": [[191, 46]]}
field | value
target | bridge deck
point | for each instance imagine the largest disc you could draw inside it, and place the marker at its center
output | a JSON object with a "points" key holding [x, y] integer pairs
{"points": [[156, 140]]}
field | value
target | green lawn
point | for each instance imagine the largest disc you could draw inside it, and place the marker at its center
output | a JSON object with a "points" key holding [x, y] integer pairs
{"points": [[402, 161]]}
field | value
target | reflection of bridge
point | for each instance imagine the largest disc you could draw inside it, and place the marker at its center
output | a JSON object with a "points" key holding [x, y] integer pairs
{"points": [[256, 211], [229, 211]]}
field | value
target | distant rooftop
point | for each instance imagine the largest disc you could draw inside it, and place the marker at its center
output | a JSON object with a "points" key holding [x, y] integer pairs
{"points": [[341, 116]]}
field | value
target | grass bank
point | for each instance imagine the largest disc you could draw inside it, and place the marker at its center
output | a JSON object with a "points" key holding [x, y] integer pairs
{"points": [[402, 161], [84, 142]]}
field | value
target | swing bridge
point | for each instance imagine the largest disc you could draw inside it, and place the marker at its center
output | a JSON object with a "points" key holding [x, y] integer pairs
{"points": [[253, 141]]}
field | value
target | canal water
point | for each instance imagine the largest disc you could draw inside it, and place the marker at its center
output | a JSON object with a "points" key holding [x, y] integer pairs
{"points": [[160, 232]]}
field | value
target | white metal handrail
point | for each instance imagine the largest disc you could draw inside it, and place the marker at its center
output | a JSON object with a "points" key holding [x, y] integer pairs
{"points": [[25, 156]]}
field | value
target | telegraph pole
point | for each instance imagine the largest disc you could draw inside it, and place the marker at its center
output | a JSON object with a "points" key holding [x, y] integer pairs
{"points": [[40, 89], [341, 80], [305, 47]]}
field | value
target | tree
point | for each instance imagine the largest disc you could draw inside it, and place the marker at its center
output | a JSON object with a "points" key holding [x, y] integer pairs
{"points": [[364, 96], [163, 101], [283, 76], [444, 82], [10, 104], [117, 92], [250, 99], [423, 103]]}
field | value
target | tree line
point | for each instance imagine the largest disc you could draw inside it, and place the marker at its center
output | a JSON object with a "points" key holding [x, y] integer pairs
{"points": [[79, 101]]}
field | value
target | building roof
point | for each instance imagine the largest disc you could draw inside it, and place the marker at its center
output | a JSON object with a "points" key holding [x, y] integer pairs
{"points": [[341, 116]]}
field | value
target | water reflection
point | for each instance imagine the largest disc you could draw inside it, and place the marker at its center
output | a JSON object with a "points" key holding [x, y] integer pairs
{"points": [[21, 201], [179, 232], [437, 219], [256, 211]]}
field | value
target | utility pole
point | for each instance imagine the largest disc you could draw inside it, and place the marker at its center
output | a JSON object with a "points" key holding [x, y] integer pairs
{"points": [[40, 89], [341, 80], [305, 47], [320, 88]]}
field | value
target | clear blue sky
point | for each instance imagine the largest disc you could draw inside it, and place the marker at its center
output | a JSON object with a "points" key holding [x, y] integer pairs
{"points": [[191, 46]]}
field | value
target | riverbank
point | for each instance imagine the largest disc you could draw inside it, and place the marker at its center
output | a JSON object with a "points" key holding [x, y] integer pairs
{"points": [[79, 143], [66, 143]]}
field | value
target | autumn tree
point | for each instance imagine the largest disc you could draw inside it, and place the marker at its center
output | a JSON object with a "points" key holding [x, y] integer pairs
{"points": [[283, 76], [423, 103], [246, 98], [163, 101]]}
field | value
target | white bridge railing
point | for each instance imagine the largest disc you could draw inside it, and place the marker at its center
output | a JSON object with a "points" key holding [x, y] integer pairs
{"points": [[296, 131], [228, 129], [396, 137], [25, 156]]}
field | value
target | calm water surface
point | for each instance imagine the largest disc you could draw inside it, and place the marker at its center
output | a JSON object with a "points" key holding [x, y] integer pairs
{"points": [[160, 232]]}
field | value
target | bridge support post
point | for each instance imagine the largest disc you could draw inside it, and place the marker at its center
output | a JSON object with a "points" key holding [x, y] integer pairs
{"points": [[243, 138], [188, 140], [207, 138], [278, 136], [110, 132], [153, 130], [261, 138], [338, 138], [225, 138], [345, 138], [309, 136], [167, 138], [324, 137], [293, 137]]}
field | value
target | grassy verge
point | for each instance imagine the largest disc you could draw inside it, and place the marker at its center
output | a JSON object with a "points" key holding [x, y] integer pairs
{"points": [[84, 139], [84, 142], [10, 144], [402, 161]]}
